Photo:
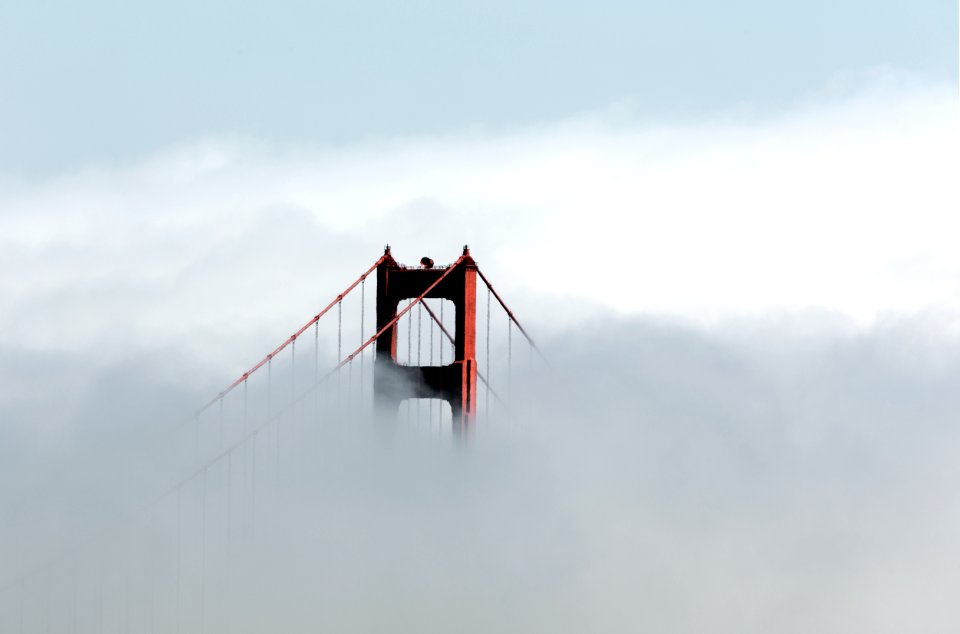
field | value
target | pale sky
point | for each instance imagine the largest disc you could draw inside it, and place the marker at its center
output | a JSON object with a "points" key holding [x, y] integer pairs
{"points": [[110, 82]]}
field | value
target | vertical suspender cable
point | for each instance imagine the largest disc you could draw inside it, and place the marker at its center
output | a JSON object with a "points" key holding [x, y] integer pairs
{"points": [[253, 483], [21, 591], [100, 574], [126, 607], [316, 317], [196, 438], [74, 585], [339, 342], [152, 555], [409, 336], [432, 329], [293, 400], [509, 353], [246, 451], [349, 382], [203, 552], [229, 501], [363, 295], [442, 344], [419, 356], [228, 583], [316, 362], [269, 387], [293, 390], [179, 553], [487, 382], [409, 355], [126, 595], [276, 448], [220, 423]]}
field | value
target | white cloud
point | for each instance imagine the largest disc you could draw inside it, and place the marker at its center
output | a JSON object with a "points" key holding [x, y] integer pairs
{"points": [[785, 468], [847, 207]]}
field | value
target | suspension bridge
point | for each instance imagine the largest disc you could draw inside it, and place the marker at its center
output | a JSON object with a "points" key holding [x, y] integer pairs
{"points": [[433, 350]]}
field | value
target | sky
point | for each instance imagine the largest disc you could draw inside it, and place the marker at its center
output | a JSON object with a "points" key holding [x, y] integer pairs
{"points": [[731, 229], [109, 82]]}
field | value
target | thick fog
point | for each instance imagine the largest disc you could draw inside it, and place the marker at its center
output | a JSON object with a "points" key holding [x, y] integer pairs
{"points": [[654, 477], [746, 423]]}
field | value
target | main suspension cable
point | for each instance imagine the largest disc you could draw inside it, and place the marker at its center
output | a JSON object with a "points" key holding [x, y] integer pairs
{"points": [[292, 337], [249, 437], [510, 314]]}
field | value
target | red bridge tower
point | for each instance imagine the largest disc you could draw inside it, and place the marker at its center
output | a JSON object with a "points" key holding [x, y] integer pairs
{"points": [[455, 382]]}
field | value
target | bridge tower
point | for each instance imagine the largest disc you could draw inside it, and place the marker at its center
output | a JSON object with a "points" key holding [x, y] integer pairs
{"points": [[455, 382]]}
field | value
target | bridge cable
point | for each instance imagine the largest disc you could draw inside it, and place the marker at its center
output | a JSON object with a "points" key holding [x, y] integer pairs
{"points": [[126, 594], [179, 553], [100, 598], [292, 337], [276, 447], [509, 355], [487, 403], [510, 315], [229, 502], [399, 315], [253, 481], [203, 553], [74, 590], [244, 379], [440, 413], [339, 343], [349, 383], [152, 555], [228, 550], [450, 337], [409, 356], [419, 360], [363, 314], [268, 361], [432, 329], [20, 602], [249, 438], [316, 361]]}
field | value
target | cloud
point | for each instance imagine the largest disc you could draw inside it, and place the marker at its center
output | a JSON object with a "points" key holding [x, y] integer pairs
{"points": [[658, 476], [747, 426], [844, 206]]}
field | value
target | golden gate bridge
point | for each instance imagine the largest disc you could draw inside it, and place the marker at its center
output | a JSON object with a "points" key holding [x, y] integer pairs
{"points": [[425, 355]]}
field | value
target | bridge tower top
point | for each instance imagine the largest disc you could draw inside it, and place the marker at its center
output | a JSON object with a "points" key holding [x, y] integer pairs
{"points": [[455, 382]]}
